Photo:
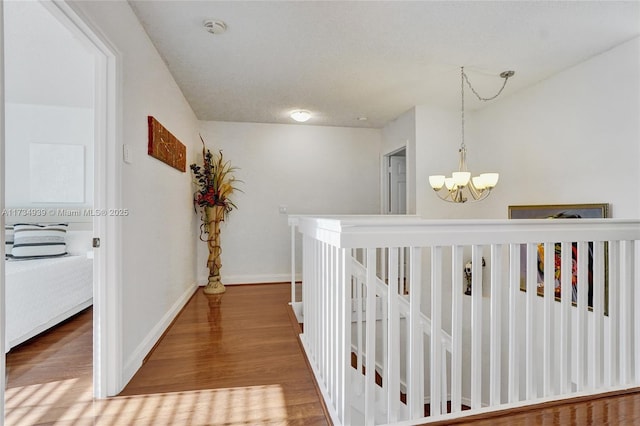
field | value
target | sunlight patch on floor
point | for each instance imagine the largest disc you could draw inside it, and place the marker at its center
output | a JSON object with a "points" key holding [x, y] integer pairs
{"points": [[231, 406], [26, 404]]}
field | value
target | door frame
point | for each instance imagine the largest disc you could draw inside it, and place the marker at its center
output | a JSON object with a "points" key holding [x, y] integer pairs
{"points": [[385, 183], [107, 312], [3, 368]]}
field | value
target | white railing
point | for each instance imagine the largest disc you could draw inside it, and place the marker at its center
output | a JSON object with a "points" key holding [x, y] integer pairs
{"points": [[386, 294]]}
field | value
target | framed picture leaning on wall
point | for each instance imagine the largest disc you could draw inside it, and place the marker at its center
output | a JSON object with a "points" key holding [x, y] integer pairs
{"points": [[564, 211]]}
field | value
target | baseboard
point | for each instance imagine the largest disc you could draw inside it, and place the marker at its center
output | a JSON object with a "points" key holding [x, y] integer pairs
{"points": [[253, 279], [136, 359]]}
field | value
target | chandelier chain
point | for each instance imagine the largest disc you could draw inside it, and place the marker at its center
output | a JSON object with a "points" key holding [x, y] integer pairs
{"points": [[504, 75], [462, 76]]}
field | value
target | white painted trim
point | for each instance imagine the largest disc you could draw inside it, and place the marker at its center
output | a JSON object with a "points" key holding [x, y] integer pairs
{"points": [[2, 217], [254, 279], [107, 353], [134, 362]]}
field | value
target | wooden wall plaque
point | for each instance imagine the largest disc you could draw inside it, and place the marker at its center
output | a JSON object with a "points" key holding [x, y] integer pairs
{"points": [[166, 147]]}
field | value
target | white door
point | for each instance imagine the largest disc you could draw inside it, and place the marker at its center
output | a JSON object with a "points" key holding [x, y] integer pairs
{"points": [[397, 184]]}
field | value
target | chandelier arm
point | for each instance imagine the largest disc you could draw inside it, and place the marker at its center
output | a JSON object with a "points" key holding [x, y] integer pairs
{"points": [[475, 192], [457, 196], [446, 197], [484, 194]]}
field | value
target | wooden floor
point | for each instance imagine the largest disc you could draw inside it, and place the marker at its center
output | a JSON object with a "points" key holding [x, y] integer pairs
{"points": [[230, 360], [226, 360]]}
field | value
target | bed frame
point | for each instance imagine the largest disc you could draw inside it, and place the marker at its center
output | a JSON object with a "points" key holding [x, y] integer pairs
{"points": [[41, 293]]}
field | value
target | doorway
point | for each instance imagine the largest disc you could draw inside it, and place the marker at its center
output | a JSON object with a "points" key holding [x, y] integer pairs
{"points": [[395, 182], [103, 182], [48, 190]]}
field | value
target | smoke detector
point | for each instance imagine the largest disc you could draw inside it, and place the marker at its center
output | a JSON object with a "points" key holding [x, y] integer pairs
{"points": [[214, 27]]}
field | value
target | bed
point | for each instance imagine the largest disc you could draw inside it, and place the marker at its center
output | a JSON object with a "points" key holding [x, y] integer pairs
{"points": [[40, 293]]}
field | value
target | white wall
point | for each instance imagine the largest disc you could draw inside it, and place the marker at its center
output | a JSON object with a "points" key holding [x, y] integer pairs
{"points": [[308, 169], [573, 138], [46, 64], [48, 124], [158, 235], [49, 100]]}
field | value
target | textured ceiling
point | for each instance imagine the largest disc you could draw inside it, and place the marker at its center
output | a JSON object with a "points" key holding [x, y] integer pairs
{"points": [[344, 60]]}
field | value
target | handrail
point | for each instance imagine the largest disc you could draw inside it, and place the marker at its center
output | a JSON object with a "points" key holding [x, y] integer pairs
{"points": [[411, 231], [558, 340]]}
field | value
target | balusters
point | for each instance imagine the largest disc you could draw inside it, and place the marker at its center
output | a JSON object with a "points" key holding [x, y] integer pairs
{"points": [[415, 391], [584, 341], [436, 331], [581, 327], [495, 360], [566, 297], [476, 326], [530, 323], [370, 331], [611, 357], [514, 323], [343, 355], [595, 347], [392, 378], [456, 328], [625, 311], [547, 316]]}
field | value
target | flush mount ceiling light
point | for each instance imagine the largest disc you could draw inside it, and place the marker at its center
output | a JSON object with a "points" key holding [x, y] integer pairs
{"points": [[214, 27], [300, 115], [461, 187]]}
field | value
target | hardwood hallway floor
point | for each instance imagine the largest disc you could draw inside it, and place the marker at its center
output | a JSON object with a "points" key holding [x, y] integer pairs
{"points": [[229, 360], [226, 360]]}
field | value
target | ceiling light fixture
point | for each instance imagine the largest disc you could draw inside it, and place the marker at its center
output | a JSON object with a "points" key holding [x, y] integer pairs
{"points": [[461, 187], [214, 27], [300, 115]]}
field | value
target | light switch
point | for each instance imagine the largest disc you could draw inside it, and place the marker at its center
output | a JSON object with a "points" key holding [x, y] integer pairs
{"points": [[127, 155]]}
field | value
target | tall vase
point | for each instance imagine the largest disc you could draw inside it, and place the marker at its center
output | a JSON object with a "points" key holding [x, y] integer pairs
{"points": [[214, 216]]}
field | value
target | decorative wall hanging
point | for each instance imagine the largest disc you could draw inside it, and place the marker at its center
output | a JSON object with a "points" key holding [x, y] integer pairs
{"points": [[166, 147]]}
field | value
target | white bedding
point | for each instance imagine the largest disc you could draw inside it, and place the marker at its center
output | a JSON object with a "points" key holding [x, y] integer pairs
{"points": [[40, 293]]}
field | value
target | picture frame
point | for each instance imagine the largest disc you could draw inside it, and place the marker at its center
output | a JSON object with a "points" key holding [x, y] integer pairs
{"points": [[566, 211], [545, 211]]}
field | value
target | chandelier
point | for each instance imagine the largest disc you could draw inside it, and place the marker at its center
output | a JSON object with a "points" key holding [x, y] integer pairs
{"points": [[461, 187]]}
